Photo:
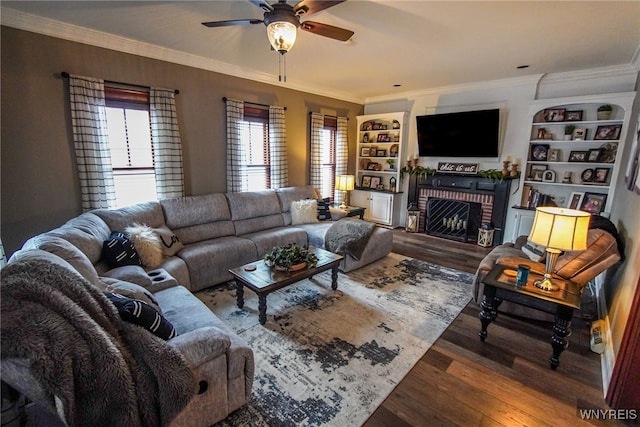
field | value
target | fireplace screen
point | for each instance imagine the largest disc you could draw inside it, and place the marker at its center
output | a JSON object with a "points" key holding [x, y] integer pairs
{"points": [[453, 219]]}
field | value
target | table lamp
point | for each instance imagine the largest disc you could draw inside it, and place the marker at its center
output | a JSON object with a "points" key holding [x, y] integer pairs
{"points": [[345, 183], [558, 229]]}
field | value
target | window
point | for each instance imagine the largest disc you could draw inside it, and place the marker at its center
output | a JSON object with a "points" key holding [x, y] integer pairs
{"points": [[255, 141], [328, 156], [130, 145]]}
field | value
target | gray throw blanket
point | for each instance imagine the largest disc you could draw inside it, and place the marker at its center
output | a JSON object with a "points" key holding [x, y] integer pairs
{"points": [[348, 236], [104, 371]]}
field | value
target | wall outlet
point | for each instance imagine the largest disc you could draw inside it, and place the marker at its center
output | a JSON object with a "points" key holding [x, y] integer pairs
{"points": [[597, 336]]}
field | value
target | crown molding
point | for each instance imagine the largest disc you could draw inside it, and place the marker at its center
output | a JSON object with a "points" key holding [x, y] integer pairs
{"points": [[530, 81], [610, 72], [49, 27]]}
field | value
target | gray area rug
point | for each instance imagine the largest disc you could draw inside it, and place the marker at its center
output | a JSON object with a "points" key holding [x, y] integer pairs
{"points": [[331, 357]]}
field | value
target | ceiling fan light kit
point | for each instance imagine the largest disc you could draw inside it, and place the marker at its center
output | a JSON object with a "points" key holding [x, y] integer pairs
{"points": [[283, 20]]}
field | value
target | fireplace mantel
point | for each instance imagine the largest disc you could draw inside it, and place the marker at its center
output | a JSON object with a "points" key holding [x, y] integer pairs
{"points": [[472, 184]]}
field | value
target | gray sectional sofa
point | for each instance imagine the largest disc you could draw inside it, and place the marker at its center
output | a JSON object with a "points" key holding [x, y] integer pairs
{"points": [[219, 231]]}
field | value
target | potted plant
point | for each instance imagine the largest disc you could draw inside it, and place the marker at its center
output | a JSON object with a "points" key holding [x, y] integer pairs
{"points": [[604, 112], [290, 257], [391, 163], [568, 131]]}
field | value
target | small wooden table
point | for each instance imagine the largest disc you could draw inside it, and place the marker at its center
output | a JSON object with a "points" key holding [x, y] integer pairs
{"points": [[264, 280], [351, 211], [499, 286]]}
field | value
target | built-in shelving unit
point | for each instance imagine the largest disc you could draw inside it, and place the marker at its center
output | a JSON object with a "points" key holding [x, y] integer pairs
{"points": [[380, 148], [578, 169]]}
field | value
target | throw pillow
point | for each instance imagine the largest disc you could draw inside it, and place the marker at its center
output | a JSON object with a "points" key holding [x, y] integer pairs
{"points": [[118, 251], [129, 290], [534, 252], [324, 214], [171, 245], [147, 244], [142, 314], [304, 212]]}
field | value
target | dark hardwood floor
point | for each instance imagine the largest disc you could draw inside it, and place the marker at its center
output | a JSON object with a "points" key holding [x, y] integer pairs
{"points": [[505, 381]]}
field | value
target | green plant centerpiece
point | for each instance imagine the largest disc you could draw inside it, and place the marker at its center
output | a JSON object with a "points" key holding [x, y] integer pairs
{"points": [[290, 257]]}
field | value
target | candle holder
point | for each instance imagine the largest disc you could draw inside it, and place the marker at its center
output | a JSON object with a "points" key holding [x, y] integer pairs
{"points": [[514, 170], [505, 168]]}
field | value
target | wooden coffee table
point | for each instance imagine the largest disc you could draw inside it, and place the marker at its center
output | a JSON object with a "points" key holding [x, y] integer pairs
{"points": [[263, 280]]}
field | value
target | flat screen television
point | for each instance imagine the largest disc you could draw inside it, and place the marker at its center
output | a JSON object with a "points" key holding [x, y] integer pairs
{"points": [[461, 134]]}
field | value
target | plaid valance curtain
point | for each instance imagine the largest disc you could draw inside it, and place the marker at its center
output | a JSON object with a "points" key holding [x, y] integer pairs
{"points": [[237, 172], [167, 146], [91, 142], [342, 152]]}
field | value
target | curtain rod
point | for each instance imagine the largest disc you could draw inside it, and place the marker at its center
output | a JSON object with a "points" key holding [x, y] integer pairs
{"points": [[224, 99], [66, 76], [328, 115]]}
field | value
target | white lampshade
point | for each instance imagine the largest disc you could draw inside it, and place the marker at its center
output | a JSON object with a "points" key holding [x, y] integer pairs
{"points": [[282, 35], [560, 228], [345, 182]]}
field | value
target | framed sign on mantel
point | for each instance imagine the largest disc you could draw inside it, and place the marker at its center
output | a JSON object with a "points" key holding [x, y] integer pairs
{"points": [[453, 167]]}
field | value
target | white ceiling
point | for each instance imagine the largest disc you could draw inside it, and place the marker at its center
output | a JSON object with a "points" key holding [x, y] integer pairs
{"points": [[417, 44]]}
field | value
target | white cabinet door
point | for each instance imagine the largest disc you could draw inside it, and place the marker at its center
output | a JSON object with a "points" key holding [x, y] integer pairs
{"points": [[524, 223], [381, 207], [361, 199]]}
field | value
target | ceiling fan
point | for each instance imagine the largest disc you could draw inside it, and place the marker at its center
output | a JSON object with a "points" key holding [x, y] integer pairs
{"points": [[283, 20]]}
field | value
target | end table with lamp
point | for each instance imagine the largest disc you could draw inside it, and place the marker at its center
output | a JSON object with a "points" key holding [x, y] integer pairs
{"points": [[559, 230]]}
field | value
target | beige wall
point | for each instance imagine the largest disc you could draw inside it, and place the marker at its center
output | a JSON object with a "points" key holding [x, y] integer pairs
{"points": [[39, 183]]}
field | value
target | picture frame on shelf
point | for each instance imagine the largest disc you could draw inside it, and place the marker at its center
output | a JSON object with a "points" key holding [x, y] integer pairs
{"points": [[594, 155], [536, 171], [578, 156], [554, 114], [383, 137], [554, 155], [393, 150], [575, 201], [365, 151], [373, 166], [548, 176], [381, 152], [593, 203], [375, 182], [366, 126], [539, 152], [366, 181], [601, 175], [579, 134], [608, 132], [364, 162], [365, 138], [573, 116], [587, 175]]}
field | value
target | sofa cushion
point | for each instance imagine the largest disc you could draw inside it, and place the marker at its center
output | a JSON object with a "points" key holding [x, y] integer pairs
{"points": [[147, 244], [142, 314], [119, 251], [65, 250], [266, 240], [253, 204], [129, 290], [304, 211], [287, 195], [86, 232], [130, 273], [149, 213], [198, 218]]}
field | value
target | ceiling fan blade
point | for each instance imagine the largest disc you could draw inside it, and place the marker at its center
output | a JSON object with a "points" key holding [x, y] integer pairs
{"points": [[232, 22], [262, 5], [325, 30], [307, 7]]}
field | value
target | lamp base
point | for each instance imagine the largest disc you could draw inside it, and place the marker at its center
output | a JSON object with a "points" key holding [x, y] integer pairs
{"points": [[344, 200], [546, 284], [343, 206]]}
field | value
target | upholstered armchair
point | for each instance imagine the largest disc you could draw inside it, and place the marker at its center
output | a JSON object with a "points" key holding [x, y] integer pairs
{"points": [[579, 266]]}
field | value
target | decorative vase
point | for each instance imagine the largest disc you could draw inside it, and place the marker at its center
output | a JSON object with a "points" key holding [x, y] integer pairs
{"points": [[294, 267]]}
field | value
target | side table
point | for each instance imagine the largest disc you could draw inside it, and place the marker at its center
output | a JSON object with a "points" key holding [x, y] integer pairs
{"points": [[351, 211], [500, 285]]}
